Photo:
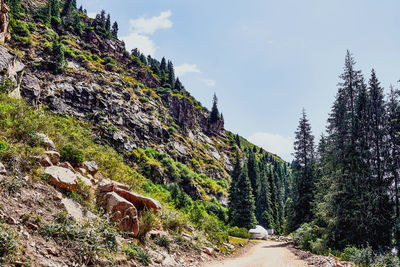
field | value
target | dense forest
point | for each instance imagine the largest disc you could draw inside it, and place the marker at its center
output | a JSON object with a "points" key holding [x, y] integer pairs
{"points": [[345, 189]]}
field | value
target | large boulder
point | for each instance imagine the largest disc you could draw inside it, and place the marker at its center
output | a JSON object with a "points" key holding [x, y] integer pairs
{"points": [[122, 211], [62, 178], [91, 167], [4, 22], [110, 186], [139, 201]]}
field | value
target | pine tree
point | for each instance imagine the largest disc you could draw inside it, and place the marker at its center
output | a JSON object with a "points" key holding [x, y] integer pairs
{"points": [[69, 7], [237, 140], [55, 8], [393, 149], [214, 115], [253, 173], [233, 189], [264, 205], [244, 215], [303, 174], [108, 24], [103, 19], [58, 56], [178, 85], [114, 30], [171, 74], [163, 65]]}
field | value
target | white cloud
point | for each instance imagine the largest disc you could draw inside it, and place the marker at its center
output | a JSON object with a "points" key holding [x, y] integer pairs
{"points": [[186, 68], [274, 143], [144, 25], [209, 82], [92, 15], [142, 42], [142, 28]]}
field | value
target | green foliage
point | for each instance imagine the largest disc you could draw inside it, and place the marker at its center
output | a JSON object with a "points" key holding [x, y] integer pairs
{"points": [[71, 154], [147, 221], [134, 251], [163, 241], [6, 85], [348, 252], [387, 260], [304, 236], [363, 257], [8, 243], [59, 61], [239, 232]]}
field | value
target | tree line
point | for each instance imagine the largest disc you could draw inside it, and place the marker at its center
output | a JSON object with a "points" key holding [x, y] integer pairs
{"points": [[348, 185], [258, 190]]}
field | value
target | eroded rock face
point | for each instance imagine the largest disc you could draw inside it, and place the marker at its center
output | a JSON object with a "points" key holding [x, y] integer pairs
{"points": [[62, 178], [10, 65], [91, 167], [4, 22], [139, 201], [122, 211], [3, 170]]}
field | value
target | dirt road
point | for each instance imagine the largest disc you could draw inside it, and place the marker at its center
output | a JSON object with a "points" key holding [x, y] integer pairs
{"points": [[264, 254]]}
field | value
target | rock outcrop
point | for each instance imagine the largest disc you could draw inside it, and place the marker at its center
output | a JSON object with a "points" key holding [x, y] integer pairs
{"points": [[122, 211], [11, 67], [139, 201], [62, 178], [4, 22]]}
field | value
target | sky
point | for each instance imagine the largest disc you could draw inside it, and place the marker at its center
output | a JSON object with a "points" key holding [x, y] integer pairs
{"points": [[265, 60]]}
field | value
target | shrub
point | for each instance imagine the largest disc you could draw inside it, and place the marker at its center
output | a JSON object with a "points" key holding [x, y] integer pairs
{"points": [[304, 236], [3, 146], [8, 243], [163, 241], [6, 85], [173, 221], [147, 221], [387, 260], [319, 247], [134, 251], [363, 257], [347, 253], [71, 154], [239, 232]]}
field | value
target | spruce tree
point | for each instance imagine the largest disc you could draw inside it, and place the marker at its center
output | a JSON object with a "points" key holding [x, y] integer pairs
{"points": [[237, 140], [264, 205], [114, 30], [253, 173], [171, 74], [108, 24], [68, 8], [58, 56], [163, 65], [303, 173], [233, 189], [214, 115], [244, 215], [178, 85]]}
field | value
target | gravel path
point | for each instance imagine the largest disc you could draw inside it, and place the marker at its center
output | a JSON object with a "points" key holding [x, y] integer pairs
{"points": [[263, 254]]}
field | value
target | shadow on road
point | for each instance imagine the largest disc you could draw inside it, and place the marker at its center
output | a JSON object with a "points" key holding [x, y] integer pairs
{"points": [[277, 245]]}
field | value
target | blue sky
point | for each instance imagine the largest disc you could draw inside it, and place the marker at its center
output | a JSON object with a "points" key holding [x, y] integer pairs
{"points": [[266, 60]]}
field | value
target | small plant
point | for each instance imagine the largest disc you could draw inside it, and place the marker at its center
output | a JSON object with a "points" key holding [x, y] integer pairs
{"points": [[71, 154], [147, 221], [163, 241], [8, 243], [347, 253], [134, 251], [363, 257], [239, 232]]}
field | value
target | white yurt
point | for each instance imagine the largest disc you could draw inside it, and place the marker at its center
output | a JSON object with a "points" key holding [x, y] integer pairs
{"points": [[258, 232]]}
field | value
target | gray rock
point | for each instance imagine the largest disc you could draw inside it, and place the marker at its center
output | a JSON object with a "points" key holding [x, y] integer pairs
{"points": [[62, 178], [3, 170]]}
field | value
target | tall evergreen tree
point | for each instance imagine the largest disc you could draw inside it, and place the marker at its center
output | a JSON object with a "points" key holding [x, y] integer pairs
{"points": [[253, 173], [237, 140], [178, 85], [244, 215], [108, 24], [264, 205], [233, 189], [171, 74], [214, 115], [163, 65], [303, 173], [58, 56], [114, 30], [69, 7]]}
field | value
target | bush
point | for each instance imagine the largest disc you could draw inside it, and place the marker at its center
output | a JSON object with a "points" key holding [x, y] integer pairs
{"points": [[163, 241], [304, 236], [363, 257], [71, 154], [147, 221], [387, 260], [134, 251], [3, 146], [239, 232], [8, 243], [347, 253]]}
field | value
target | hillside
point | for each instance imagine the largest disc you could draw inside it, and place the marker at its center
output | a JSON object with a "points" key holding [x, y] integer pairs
{"points": [[77, 85]]}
